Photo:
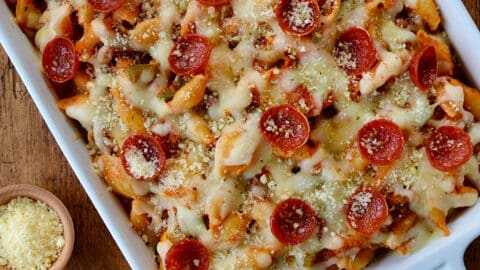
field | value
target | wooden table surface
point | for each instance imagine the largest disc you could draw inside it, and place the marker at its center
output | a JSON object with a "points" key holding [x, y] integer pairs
{"points": [[29, 154]]}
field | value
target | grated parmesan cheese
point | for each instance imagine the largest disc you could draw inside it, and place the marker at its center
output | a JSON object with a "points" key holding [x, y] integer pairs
{"points": [[361, 202], [147, 10], [139, 166], [343, 57], [299, 15], [31, 235]]}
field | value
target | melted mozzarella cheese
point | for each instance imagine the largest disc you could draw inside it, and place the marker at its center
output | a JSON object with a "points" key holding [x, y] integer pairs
{"points": [[54, 24], [238, 143], [191, 223], [390, 65], [450, 92], [395, 36], [83, 112]]}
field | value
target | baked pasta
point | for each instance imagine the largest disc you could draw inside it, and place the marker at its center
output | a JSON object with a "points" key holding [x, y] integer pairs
{"points": [[267, 134]]}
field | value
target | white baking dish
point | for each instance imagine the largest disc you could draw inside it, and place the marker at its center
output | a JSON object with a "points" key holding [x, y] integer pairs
{"points": [[444, 253]]}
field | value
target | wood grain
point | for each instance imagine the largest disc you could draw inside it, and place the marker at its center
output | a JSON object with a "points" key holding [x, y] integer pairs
{"points": [[29, 154]]}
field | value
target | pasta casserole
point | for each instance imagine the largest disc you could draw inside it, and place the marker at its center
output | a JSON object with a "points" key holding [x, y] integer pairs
{"points": [[267, 134]]}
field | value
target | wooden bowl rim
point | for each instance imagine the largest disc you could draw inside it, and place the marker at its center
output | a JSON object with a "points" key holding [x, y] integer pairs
{"points": [[37, 193]]}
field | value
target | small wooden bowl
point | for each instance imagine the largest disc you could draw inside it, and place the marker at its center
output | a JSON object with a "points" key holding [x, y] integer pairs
{"points": [[22, 190]]}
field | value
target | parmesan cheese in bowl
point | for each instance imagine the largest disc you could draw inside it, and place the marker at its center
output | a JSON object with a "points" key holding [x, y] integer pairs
{"points": [[36, 230]]}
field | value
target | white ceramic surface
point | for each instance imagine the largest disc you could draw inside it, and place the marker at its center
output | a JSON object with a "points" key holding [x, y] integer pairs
{"points": [[444, 253]]}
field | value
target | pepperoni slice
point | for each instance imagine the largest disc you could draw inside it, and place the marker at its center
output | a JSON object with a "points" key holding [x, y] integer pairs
{"points": [[285, 127], [143, 157], [448, 148], [298, 17], [293, 221], [214, 3], [105, 6], [59, 60], [423, 67], [367, 210], [190, 55], [187, 254], [303, 101], [381, 141], [354, 51]]}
